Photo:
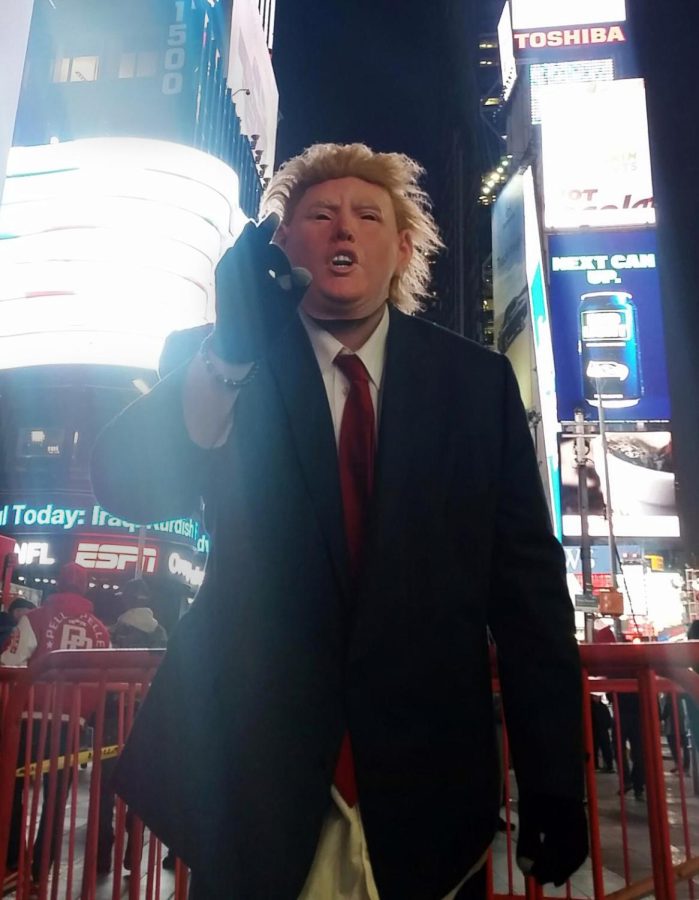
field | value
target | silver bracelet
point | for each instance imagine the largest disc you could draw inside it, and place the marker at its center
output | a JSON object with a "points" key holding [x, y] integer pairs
{"points": [[231, 383]]}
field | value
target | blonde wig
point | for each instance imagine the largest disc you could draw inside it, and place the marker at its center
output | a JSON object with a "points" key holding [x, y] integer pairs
{"points": [[396, 173]]}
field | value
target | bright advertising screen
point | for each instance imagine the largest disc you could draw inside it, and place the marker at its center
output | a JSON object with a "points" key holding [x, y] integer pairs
{"points": [[570, 43], [105, 557], [607, 325], [522, 327], [60, 516], [562, 13], [251, 80], [69, 529], [511, 319], [596, 155], [508, 66], [641, 481], [543, 350], [541, 75], [106, 246]]}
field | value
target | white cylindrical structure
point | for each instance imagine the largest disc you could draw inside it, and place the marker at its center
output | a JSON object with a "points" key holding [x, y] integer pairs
{"points": [[106, 246]]}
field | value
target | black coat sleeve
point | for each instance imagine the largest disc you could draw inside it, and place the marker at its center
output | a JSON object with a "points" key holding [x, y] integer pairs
{"points": [[532, 621], [145, 468]]}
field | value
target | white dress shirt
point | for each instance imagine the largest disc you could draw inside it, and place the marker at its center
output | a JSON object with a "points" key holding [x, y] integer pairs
{"points": [[372, 353]]}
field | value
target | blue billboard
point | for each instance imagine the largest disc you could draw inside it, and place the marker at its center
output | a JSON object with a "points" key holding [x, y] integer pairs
{"points": [[607, 326]]}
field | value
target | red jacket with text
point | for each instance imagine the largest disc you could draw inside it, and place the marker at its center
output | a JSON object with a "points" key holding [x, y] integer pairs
{"points": [[65, 622]]}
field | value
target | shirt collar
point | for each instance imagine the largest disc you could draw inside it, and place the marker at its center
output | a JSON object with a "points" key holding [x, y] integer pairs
{"points": [[326, 347]]}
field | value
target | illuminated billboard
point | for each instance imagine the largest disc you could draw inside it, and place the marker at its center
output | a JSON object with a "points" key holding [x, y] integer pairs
{"points": [[106, 557], [596, 155], [642, 485], [568, 42], [521, 319], [61, 516], [508, 66], [74, 528], [106, 246], [511, 325], [252, 82], [564, 13], [541, 75], [607, 325], [543, 349]]}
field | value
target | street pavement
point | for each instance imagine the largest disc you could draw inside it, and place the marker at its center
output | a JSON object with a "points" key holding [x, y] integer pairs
{"points": [[637, 861]]}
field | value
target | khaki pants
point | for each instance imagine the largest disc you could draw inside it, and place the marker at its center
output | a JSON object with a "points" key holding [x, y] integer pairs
{"points": [[341, 869]]}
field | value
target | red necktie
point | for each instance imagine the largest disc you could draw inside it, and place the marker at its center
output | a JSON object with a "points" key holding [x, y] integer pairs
{"points": [[356, 460]]}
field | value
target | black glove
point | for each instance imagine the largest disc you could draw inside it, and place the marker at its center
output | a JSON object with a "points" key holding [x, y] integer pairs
{"points": [[552, 837], [257, 293]]}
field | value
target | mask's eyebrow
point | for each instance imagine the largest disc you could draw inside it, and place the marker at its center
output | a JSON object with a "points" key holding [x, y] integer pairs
{"points": [[324, 204], [331, 205]]}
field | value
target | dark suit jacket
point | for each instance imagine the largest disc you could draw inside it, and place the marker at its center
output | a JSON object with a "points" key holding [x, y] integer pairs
{"points": [[232, 755]]}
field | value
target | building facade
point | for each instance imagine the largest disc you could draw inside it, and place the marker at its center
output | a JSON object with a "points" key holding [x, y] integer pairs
{"points": [[143, 138], [578, 306]]}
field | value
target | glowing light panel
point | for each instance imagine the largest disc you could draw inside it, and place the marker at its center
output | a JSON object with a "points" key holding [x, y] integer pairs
{"points": [[541, 75], [106, 246], [596, 155], [561, 13]]}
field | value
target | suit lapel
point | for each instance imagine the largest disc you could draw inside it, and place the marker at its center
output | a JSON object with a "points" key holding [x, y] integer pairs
{"points": [[408, 404], [409, 428], [411, 431], [295, 370]]}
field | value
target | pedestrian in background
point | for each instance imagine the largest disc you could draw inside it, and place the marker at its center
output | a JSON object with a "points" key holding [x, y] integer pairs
{"points": [[691, 706], [601, 727], [136, 628], [64, 622], [9, 619], [675, 727]]}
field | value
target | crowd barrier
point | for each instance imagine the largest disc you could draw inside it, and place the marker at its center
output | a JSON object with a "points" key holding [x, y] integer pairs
{"points": [[657, 835], [64, 835], [62, 831]]}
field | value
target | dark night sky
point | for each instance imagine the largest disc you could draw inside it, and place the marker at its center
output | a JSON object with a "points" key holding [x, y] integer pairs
{"points": [[376, 71]]}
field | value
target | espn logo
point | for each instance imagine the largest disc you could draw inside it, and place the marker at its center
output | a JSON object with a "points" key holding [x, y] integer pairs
{"points": [[114, 557]]}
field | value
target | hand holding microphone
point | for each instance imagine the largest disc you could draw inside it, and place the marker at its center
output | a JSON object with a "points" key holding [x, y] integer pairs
{"points": [[257, 293]]}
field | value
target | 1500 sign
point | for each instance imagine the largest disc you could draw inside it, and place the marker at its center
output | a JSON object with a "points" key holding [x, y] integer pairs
{"points": [[175, 54]]}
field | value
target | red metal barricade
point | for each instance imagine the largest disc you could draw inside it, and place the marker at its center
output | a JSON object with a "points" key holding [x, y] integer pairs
{"points": [[62, 831], [644, 817], [653, 833], [57, 814]]}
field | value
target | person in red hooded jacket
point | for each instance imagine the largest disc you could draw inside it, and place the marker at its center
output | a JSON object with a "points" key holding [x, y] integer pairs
{"points": [[65, 622]]}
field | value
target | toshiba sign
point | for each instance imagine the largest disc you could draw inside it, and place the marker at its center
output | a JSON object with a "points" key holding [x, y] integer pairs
{"points": [[114, 557], [556, 38]]}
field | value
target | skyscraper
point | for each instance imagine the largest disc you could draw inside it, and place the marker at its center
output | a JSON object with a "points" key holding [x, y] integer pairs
{"points": [[144, 136]]}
